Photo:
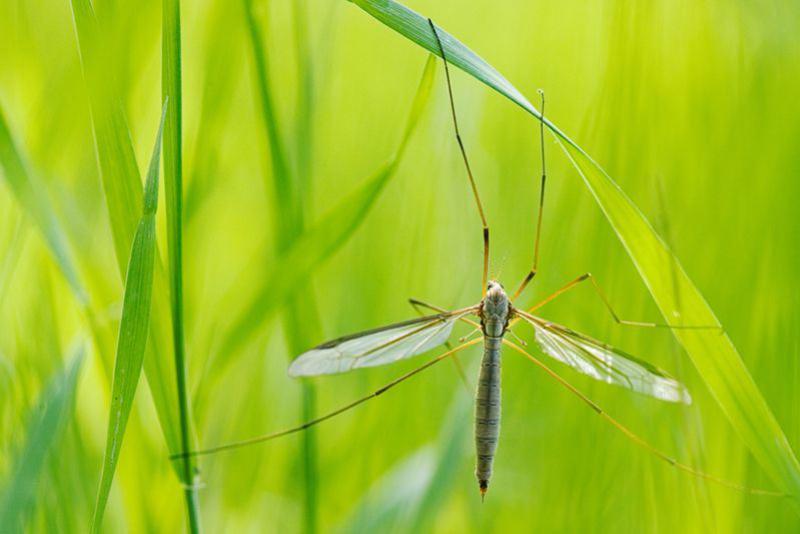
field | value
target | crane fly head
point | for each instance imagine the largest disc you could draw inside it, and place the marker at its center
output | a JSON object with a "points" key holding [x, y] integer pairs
{"points": [[496, 306]]}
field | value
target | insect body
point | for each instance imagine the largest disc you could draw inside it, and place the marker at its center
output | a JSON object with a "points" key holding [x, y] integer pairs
{"points": [[494, 313]]}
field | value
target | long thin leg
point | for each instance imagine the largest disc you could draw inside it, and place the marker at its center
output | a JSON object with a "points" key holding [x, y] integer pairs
{"points": [[535, 266], [466, 162], [607, 303], [636, 438], [307, 424], [418, 305]]}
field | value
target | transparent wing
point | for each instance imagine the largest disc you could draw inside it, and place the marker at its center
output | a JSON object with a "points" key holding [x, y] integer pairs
{"points": [[606, 363], [377, 347]]}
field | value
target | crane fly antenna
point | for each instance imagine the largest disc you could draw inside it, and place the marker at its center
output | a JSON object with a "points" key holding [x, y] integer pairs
{"points": [[535, 266], [466, 161]]}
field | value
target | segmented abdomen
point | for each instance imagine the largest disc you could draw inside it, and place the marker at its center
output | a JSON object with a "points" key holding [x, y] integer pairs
{"points": [[487, 410]]}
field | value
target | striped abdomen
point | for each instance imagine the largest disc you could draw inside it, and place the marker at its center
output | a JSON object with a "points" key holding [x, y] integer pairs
{"points": [[487, 410]]}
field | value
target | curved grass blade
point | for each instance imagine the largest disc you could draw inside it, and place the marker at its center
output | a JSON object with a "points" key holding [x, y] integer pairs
{"points": [[308, 251], [290, 186], [133, 328], [115, 157], [320, 241], [408, 498], [390, 501], [284, 218], [31, 196], [54, 408], [714, 355]]}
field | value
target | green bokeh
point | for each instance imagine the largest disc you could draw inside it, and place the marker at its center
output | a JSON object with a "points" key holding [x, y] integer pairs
{"points": [[690, 106]]}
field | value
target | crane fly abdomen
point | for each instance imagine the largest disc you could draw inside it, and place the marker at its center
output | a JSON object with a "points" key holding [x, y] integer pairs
{"points": [[494, 313], [487, 411]]}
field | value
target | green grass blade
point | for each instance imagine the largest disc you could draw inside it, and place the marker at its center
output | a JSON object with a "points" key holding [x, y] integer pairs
{"points": [[452, 447], [290, 187], [301, 319], [302, 328], [390, 500], [115, 157], [281, 184], [123, 194], [173, 180], [308, 251], [29, 192], [133, 329], [320, 241], [713, 355], [31, 196], [408, 497], [304, 142], [416, 28], [53, 409]]}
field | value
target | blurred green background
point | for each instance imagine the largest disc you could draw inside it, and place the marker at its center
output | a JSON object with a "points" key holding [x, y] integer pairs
{"points": [[690, 106]]}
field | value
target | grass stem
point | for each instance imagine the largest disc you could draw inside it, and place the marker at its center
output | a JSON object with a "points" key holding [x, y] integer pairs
{"points": [[173, 179]]}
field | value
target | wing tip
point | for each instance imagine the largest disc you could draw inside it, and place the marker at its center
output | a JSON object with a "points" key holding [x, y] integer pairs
{"points": [[295, 369]]}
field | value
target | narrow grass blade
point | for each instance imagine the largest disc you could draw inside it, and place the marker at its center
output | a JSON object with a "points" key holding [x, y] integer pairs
{"points": [[301, 320], [30, 193], [133, 329], [415, 27], [31, 196], [281, 183], [118, 170], [123, 194], [302, 327], [304, 143], [320, 241], [173, 180], [713, 355], [289, 186], [712, 352], [391, 499], [451, 448], [308, 251], [409, 496], [49, 417]]}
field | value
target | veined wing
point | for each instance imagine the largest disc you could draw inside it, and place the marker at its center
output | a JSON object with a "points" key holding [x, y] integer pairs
{"points": [[378, 346], [604, 362]]}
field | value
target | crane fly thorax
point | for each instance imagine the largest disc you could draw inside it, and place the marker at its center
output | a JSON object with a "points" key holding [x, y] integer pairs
{"points": [[495, 310]]}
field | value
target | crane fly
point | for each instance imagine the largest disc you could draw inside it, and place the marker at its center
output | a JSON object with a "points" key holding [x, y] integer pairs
{"points": [[493, 317]]}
